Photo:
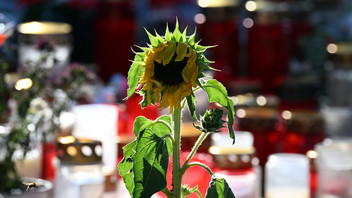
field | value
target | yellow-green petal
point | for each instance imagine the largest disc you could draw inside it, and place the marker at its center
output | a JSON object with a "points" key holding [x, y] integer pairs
{"points": [[169, 53], [181, 51]]}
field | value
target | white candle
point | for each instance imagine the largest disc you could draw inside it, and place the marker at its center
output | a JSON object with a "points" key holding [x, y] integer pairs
{"points": [[286, 176], [287, 192], [30, 166]]}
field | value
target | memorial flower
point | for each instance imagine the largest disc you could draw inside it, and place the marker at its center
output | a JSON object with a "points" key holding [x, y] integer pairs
{"points": [[166, 74]]}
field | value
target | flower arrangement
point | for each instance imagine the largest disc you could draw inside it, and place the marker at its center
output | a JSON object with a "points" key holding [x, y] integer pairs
{"points": [[32, 100], [166, 74]]}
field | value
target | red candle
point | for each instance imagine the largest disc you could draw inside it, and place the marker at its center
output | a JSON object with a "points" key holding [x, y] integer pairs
{"points": [[3, 38]]}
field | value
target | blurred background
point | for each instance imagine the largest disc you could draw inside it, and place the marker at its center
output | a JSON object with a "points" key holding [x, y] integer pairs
{"points": [[265, 47], [287, 65]]}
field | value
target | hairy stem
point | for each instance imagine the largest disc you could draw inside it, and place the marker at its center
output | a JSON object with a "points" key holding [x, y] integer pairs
{"points": [[197, 164], [171, 138], [198, 193], [199, 141], [165, 123], [176, 176], [166, 192]]}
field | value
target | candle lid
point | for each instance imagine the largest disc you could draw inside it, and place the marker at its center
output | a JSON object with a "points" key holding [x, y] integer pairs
{"points": [[232, 157], [71, 150], [303, 121], [36, 27]]}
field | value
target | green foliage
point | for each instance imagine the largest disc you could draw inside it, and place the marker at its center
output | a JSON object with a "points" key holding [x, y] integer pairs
{"points": [[218, 188], [191, 106], [150, 163], [3, 88], [30, 104], [186, 190], [134, 74], [146, 159], [211, 121], [217, 93]]}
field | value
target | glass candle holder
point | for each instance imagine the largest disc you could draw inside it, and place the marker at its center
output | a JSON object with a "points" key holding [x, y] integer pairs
{"points": [[237, 163], [303, 129], [287, 175], [51, 39], [80, 171], [261, 122], [334, 167]]}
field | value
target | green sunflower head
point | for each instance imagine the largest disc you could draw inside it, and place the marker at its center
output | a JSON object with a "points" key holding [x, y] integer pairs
{"points": [[168, 69]]}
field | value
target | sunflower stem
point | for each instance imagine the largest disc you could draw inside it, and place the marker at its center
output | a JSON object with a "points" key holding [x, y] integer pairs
{"points": [[199, 141], [211, 173], [166, 192], [176, 176]]}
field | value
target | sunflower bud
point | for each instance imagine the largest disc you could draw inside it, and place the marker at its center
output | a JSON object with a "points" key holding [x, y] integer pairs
{"points": [[212, 120]]}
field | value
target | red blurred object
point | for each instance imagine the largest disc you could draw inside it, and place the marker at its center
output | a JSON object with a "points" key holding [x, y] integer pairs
{"points": [[296, 93], [27, 2], [261, 122], [299, 29], [133, 110], [168, 2], [189, 137], [239, 86], [194, 176], [3, 38], [313, 175], [115, 32], [223, 34], [313, 183], [48, 156], [82, 4], [309, 104], [128, 112], [302, 131], [268, 53]]}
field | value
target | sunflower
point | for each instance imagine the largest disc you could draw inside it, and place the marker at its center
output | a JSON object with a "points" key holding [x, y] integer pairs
{"points": [[168, 69]]}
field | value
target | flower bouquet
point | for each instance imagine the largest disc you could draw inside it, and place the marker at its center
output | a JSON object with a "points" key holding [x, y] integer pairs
{"points": [[31, 101]]}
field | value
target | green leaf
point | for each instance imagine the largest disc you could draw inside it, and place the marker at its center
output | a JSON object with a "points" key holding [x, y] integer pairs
{"points": [[191, 106], [217, 93], [230, 118], [218, 188], [162, 126], [202, 66], [201, 49], [186, 190], [191, 38], [125, 166], [134, 75], [141, 123], [159, 126], [145, 49], [183, 37], [168, 35], [153, 39], [177, 34], [150, 164], [160, 39], [139, 57], [205, 60], [165, 118]]}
